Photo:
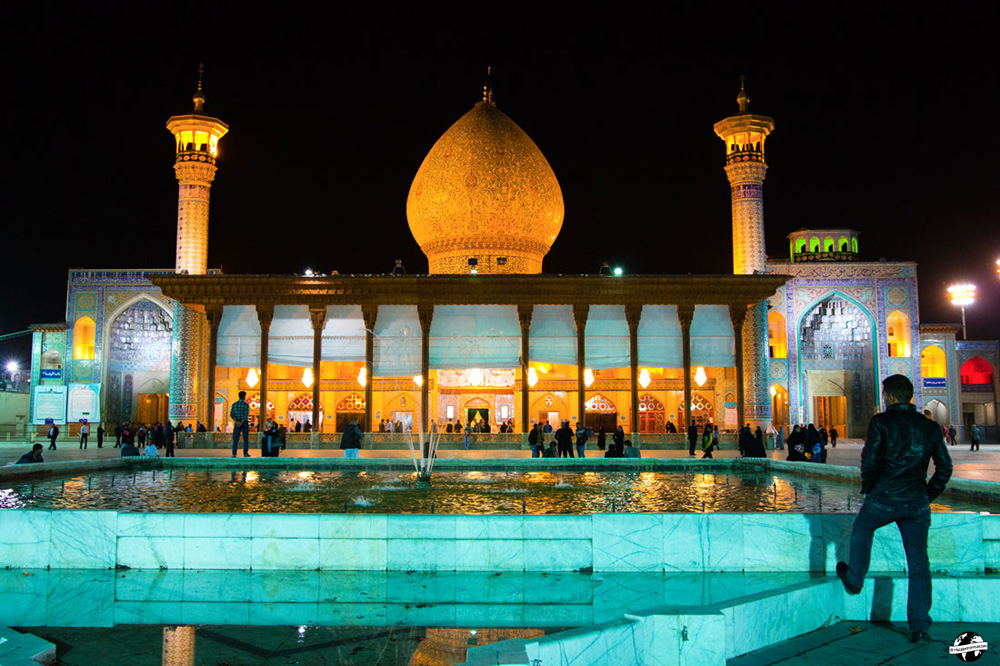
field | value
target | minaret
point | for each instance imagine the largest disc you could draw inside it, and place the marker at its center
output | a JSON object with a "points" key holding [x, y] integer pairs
{"points": [[197, 138], [744, 135]]}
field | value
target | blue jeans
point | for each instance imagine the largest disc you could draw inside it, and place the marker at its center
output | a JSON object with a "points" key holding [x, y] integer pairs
{"points": [[536, 451], [579, 450], [245, 429], [913, 518]]}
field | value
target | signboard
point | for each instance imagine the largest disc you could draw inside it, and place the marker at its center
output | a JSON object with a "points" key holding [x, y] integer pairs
{"points": [[84, 402], [730, 417], [935, 382], [220, 407], [52, 373], [50, 403]]}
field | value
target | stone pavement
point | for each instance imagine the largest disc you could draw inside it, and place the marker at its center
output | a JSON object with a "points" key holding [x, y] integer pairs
{"points": [[863, 643], [982, 465]]}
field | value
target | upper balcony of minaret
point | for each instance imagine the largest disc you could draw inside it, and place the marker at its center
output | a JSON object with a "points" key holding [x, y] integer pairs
{"points": [[197, 135]]}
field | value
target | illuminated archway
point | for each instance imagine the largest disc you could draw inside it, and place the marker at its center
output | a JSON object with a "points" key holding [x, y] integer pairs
{"points": [[84, 337], [977, 371], [652, 414], [933, 362], [897, 334], [777, 335]]}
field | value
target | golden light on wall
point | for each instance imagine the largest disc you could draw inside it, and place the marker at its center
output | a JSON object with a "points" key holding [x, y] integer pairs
{"points": [[700, 377], [644, 379], [588, 377], [532, 377], [363, 376], [774, 391], [307, 377], [418, 380], [252, 377], [476, 377]]}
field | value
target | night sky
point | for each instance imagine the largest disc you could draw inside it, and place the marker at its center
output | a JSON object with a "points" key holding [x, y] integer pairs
{"points": [[884, 123]]}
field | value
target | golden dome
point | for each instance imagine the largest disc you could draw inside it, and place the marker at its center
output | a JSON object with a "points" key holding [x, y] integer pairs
{"points": [[485, 192]]}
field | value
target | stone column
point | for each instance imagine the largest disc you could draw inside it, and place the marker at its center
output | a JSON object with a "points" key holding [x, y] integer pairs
{"points": [[756, 368], [318, 318], [213, 315], [580, 314], [265, 313], [185, 363], [685, 313], [633, 313], [738, 313], [369, 313], [524, 313], [425, 311]]}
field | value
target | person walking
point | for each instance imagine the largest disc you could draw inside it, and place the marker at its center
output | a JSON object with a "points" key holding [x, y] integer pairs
{"points": [[974, 437], [692, 437], [899, 445], [952, 434], [240, 414], [535, 439], [564, 437], [53, 436], [118, 435], [602, 438], [168, 439], [779, 439], [100, 435], [84, 435], [833, 436], [709, 441], [581, 440], [350, 441], [619, 439], [467, 436]]}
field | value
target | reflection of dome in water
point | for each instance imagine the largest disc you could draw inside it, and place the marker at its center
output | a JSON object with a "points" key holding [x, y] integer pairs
{"points": [[446, 646], [485, 191]]}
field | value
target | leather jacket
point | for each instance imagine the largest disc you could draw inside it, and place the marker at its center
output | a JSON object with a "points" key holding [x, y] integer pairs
{"points": [[899, 445]]}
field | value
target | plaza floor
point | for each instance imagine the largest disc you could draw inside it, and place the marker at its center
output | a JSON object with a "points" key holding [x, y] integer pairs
{"points": [[870, 643]]}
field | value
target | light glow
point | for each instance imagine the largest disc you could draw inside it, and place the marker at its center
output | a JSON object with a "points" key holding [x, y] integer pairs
{"points": [[476, 377], [588, 377], [12, 367], [700, 377], [962, 294], [532, 377], [252, 377], [418, 380], [363, 376], [644, 378], [307, 377], [774, 391]]}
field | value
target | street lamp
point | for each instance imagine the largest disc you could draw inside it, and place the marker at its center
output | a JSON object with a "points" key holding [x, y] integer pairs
{"points": [[962, 295]]}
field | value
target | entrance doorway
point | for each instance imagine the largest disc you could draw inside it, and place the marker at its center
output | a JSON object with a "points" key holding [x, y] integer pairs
{"points": [[481, 414], [153, 407], [779, 408], [595, 420], [552, 418], [830, 411]]}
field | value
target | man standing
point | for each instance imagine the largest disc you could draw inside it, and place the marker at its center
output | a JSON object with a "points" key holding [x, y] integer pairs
{"points": [[534, 440], [240, 414], [53, 435], [581, 440], [899, 444], [350, 441], [952, 434], [833, 436], [974, 438], [84, 435], [564, 437], [100, 435], [692, 437], [118, 436]]}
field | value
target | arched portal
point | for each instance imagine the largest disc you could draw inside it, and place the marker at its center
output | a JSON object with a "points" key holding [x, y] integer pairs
{"points": [[652, 414], [838, 365], [933, 362], [779, 406], [137, 346], [977, 371], [352, 407], [600, 411], [777, 335], [300, 410], [939, 412]]}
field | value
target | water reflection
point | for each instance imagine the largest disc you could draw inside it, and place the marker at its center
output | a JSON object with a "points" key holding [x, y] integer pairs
{"points": [[479, 492]]}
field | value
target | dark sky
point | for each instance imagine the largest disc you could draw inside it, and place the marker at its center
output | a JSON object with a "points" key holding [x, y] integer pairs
{"points": [[885, 123]]}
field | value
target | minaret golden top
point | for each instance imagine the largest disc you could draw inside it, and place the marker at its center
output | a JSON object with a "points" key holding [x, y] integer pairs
{"points": [[199, 96], [488, 88], [743, 99]]}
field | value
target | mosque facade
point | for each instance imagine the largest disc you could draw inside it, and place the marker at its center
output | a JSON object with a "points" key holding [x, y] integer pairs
{"points": [[486, 337]]}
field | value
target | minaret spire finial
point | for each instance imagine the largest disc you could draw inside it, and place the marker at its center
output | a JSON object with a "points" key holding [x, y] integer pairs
{"points": [[743, 99], [199, 96], [488, 87]]}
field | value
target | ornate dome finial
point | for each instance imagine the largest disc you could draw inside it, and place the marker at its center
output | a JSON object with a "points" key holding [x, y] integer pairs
{"points": [[199, 96], [743, 99], [488, 88]]}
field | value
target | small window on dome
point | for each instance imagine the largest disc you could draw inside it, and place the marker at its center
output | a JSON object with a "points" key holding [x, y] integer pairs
{"points": [[501, 261]]}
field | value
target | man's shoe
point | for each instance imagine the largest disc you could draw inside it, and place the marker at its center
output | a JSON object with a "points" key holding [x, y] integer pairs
{"points": [[246, 455], [234, 455], [920, 638], [842, 575]]}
